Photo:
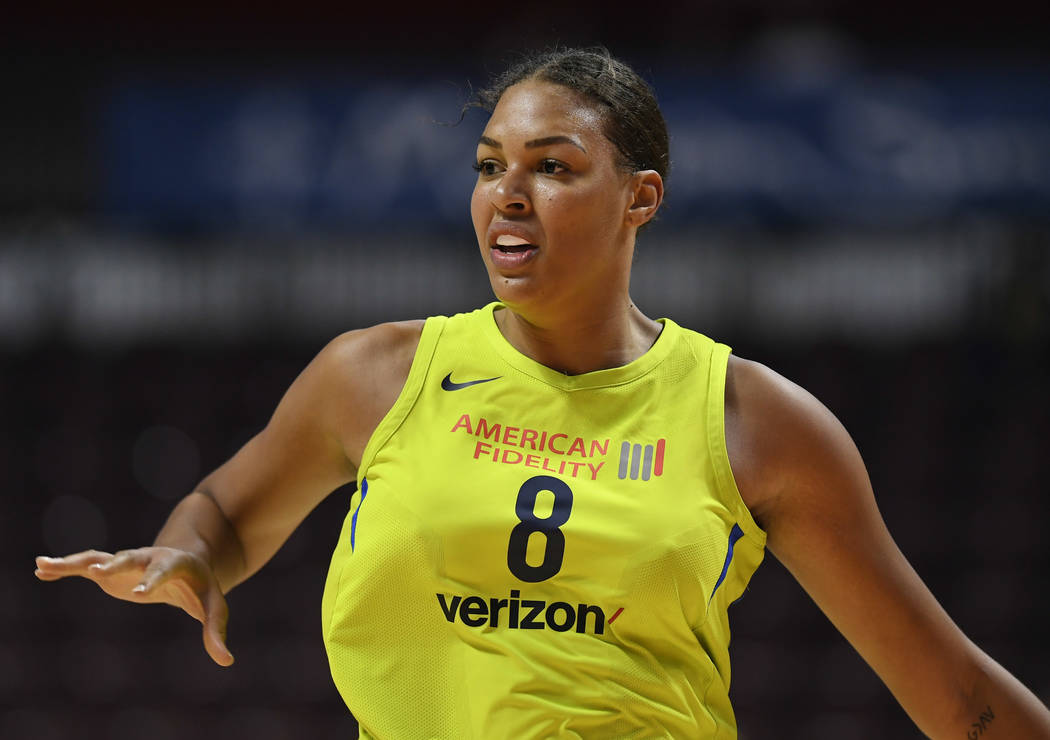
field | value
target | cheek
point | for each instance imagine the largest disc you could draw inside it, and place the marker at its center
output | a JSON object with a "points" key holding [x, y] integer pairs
{"points": [[479, 211], [592, 214]]}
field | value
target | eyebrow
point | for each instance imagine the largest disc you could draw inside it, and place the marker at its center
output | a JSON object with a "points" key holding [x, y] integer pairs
{"points": [[533, 143]]}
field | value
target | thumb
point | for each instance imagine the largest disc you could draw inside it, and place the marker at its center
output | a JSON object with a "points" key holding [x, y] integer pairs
{"points": [[216, 614]]}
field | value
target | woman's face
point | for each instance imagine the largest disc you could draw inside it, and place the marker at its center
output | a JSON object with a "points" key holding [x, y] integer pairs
{"points": [[550, 202]]}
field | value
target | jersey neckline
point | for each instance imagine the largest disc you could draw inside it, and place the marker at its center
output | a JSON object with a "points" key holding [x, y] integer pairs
{"points": [[594, 379]]}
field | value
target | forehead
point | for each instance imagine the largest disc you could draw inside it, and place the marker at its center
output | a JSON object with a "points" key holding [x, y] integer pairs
{"points": [[535, 108]]}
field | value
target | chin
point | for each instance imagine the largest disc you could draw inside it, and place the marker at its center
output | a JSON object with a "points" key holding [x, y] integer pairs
{"points": [[513, 291], [506, 289]]}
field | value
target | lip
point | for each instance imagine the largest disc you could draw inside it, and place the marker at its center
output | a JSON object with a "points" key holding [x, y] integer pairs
{"points": [[510, 260], [499, 228]]}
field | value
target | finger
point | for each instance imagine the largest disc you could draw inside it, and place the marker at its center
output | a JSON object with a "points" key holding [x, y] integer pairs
{"points": [[157, 574], [214, 629], [122, 561], [75, 564], [44, 575]]}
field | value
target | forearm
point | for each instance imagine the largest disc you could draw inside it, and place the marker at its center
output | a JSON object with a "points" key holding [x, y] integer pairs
{"points": [[199, 526], [999, 706]]}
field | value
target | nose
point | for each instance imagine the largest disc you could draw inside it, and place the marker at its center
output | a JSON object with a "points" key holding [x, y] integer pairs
{"points": [[511, 195]]}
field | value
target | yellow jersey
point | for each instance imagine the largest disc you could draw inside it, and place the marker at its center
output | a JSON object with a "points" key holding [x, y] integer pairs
{"points": [[535, 555]]}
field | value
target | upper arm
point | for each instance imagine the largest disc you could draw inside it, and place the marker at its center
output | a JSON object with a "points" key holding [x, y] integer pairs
{"points": [[313, 442], [803, 479]]}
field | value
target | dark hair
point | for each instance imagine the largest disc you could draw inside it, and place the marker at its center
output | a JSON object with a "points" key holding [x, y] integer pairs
{"points": [[633, 121]]}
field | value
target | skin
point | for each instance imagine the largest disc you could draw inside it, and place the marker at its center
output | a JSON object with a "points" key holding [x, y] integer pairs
{"points": [[568, 307]]}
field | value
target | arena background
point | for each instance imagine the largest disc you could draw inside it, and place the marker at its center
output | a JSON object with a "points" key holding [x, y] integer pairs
{"points": [[192, 202]]}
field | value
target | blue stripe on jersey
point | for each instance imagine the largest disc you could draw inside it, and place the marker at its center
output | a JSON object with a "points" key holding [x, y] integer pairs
{"points": [[364, 492], [734, 534]]}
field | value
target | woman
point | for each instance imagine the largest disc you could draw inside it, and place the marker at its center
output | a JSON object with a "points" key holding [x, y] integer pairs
{"points": [[558, 497]]}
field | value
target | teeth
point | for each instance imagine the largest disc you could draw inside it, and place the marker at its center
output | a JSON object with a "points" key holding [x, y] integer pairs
{"points": [[506, 240]]}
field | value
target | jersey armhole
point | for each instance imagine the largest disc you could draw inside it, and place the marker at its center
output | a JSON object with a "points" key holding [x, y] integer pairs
{"points": [[719, 450], [406, 399]]}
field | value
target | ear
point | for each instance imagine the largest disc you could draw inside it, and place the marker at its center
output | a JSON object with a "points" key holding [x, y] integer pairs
{"points": [[647, 190]]}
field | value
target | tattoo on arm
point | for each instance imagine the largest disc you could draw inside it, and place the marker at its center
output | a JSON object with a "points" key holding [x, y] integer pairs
{"points": [[981, 724]]}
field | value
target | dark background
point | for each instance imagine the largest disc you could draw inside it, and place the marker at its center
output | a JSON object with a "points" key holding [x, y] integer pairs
{"points": [[926, 332]]}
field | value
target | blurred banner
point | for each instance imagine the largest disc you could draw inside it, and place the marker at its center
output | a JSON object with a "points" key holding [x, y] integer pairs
{"points": [[769, 145], [874, 288]]}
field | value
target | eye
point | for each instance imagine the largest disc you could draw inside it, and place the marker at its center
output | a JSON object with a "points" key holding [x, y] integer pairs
{"points": [[552, 167], [486, 167]]}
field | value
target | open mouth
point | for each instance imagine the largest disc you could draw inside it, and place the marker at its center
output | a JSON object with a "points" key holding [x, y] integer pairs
{"points": [[512, 252], [512, 244]]}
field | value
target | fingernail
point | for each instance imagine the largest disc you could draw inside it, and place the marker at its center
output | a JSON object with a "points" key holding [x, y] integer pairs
{"points": [[45, 558], [141, 588], [95, 566]]}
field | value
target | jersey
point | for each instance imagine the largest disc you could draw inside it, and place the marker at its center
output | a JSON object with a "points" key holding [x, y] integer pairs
{"points": [[536, 555]]}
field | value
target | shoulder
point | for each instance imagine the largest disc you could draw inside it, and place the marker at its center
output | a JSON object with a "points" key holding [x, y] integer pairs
{"points": [[356, 379], [785, 446], [387, 346], [363, 362]]}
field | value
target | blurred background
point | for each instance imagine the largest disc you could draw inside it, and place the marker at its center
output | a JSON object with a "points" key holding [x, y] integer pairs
{"points": [[193, 201]]}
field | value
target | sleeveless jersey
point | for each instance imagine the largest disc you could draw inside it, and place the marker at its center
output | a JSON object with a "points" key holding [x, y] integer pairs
{"points": [[535, 555]]}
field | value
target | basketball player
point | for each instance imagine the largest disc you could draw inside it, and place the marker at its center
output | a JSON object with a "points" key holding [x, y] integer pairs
{"points": [[558, 497]]}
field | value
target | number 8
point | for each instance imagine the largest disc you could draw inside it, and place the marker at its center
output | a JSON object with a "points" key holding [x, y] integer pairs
{"points": [[524, 507]]}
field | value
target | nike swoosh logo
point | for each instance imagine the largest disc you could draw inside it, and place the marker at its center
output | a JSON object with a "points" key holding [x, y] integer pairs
{"points": [[448, 385]]}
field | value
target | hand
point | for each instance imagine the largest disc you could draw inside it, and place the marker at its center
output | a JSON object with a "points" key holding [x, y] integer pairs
{"points": [[151, 575]]}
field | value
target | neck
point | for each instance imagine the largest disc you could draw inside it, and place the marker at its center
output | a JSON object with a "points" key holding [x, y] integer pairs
{"points": [[588, 340]]}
